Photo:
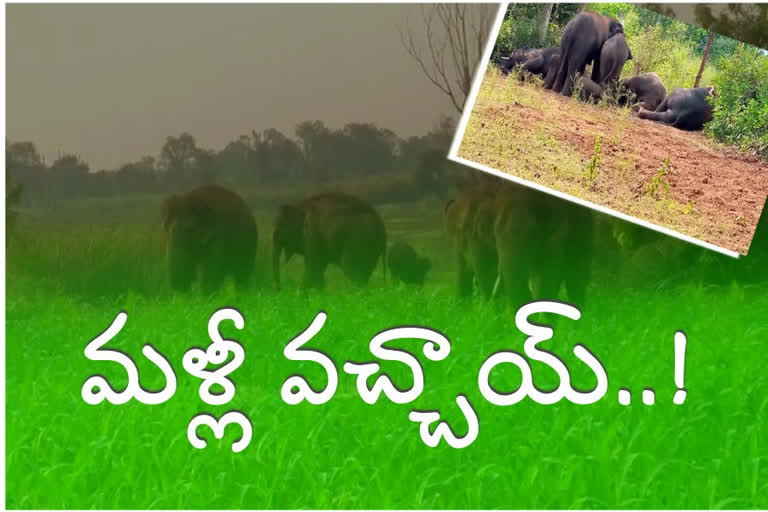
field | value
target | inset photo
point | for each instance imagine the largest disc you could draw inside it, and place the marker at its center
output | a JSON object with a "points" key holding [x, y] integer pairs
{"points": [[627, 111]]}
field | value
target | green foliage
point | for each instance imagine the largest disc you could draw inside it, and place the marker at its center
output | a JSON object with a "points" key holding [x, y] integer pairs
{"points": [[741, 102], [590, 173], [659, 186], [522, 25], [673, 60]]}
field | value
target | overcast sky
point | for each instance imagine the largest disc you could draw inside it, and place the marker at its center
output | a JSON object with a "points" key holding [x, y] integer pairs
{"points": [[110, 82]]}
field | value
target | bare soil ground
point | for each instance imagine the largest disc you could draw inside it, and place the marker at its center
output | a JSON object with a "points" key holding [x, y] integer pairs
{"points": [[610, 157]]}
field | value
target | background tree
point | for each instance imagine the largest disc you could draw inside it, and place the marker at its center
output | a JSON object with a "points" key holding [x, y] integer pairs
{"points": [[704, 59], [546, 14], [455, 38]]}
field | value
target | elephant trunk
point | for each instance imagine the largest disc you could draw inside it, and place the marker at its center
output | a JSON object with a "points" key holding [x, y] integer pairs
{"points": [[277, 249]]}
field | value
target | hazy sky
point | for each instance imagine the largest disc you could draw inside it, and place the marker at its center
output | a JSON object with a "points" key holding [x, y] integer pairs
{"points": [[110, 82]]}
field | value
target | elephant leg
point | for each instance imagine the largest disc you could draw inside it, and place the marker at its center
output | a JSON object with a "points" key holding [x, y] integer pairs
{"points": [[465, 277], [548, 284], [573, 68], [596, 72], [314, 273], [212, 278], [559, 81], [357, 267], [667, 117], [514, 270], [485, 271]]}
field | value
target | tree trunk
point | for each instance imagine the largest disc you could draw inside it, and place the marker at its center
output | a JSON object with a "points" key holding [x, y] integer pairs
{"points": [[581, 8], [546, 14], [704, 59]]}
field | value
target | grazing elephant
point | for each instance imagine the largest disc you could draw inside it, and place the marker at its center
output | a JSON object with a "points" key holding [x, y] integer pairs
{"points": [[554, 65], [590, 91], [542, 243], [535, 61], [330, 228], [211, 233], [686, 109], [469, 225], [648, 90], [614, 54], [581, 44], [406, 265]]}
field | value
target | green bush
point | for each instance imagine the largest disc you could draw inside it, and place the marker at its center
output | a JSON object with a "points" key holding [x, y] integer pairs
{"points": [[673, 60], [741, 102], [521, 30]]}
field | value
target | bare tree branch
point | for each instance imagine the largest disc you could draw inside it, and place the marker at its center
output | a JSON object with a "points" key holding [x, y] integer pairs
{"points": [[455, 36]]}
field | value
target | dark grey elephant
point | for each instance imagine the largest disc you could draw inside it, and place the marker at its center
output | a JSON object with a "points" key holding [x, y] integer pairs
{"points": [[614, 54], [535, 61], [211, 234], [590, 91], [542, 244], [686, 109], [406, 265], [469, 225], [330, 228], [648, 91], [581, 44]]}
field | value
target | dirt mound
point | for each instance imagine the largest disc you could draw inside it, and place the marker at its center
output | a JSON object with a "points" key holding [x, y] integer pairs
{"points": [[711, 192]]}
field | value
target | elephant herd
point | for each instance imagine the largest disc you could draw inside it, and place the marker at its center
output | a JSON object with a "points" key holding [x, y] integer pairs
{"points": [[211, 235], [518, 243], [592, 38], [507, 241]]}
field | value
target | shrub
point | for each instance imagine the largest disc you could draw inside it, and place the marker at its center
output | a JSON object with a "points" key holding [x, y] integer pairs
{"points": [[741, 102], [520, 31], [673, 60]]}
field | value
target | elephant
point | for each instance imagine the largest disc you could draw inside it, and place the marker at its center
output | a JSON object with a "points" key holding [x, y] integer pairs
{"points": [[329, 228], [582, 41], [647, 88], [554, 65], [685, 109], [535, 61], [211, 234], [469, 224], [405, 264], [590, 91], [613, 55], [542, 243]]}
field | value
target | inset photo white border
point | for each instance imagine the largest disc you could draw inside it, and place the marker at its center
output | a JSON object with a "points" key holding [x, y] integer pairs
{"points": [[464, 120]]}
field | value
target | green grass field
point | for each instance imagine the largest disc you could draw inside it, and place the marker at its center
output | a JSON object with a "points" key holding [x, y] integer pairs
{"points": [[66, 283]]}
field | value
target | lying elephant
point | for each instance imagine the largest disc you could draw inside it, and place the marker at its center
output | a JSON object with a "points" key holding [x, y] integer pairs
{"points": [[330, 228], [469, 225], [405, 264], [686, 109], [535, 61], [590, 91], [211, 234], [542, 243], [581, 43], [614, 54], [647, 89]]}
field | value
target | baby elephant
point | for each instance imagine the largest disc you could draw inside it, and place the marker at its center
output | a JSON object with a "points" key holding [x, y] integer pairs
{"points": [[590, 91], [406, 265]]}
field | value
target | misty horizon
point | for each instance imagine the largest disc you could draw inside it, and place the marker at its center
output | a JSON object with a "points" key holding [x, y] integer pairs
{"points": [[67, 64]]}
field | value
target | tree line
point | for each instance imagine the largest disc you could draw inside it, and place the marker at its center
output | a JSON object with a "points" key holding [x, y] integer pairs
{"points": [[314, 154]]}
